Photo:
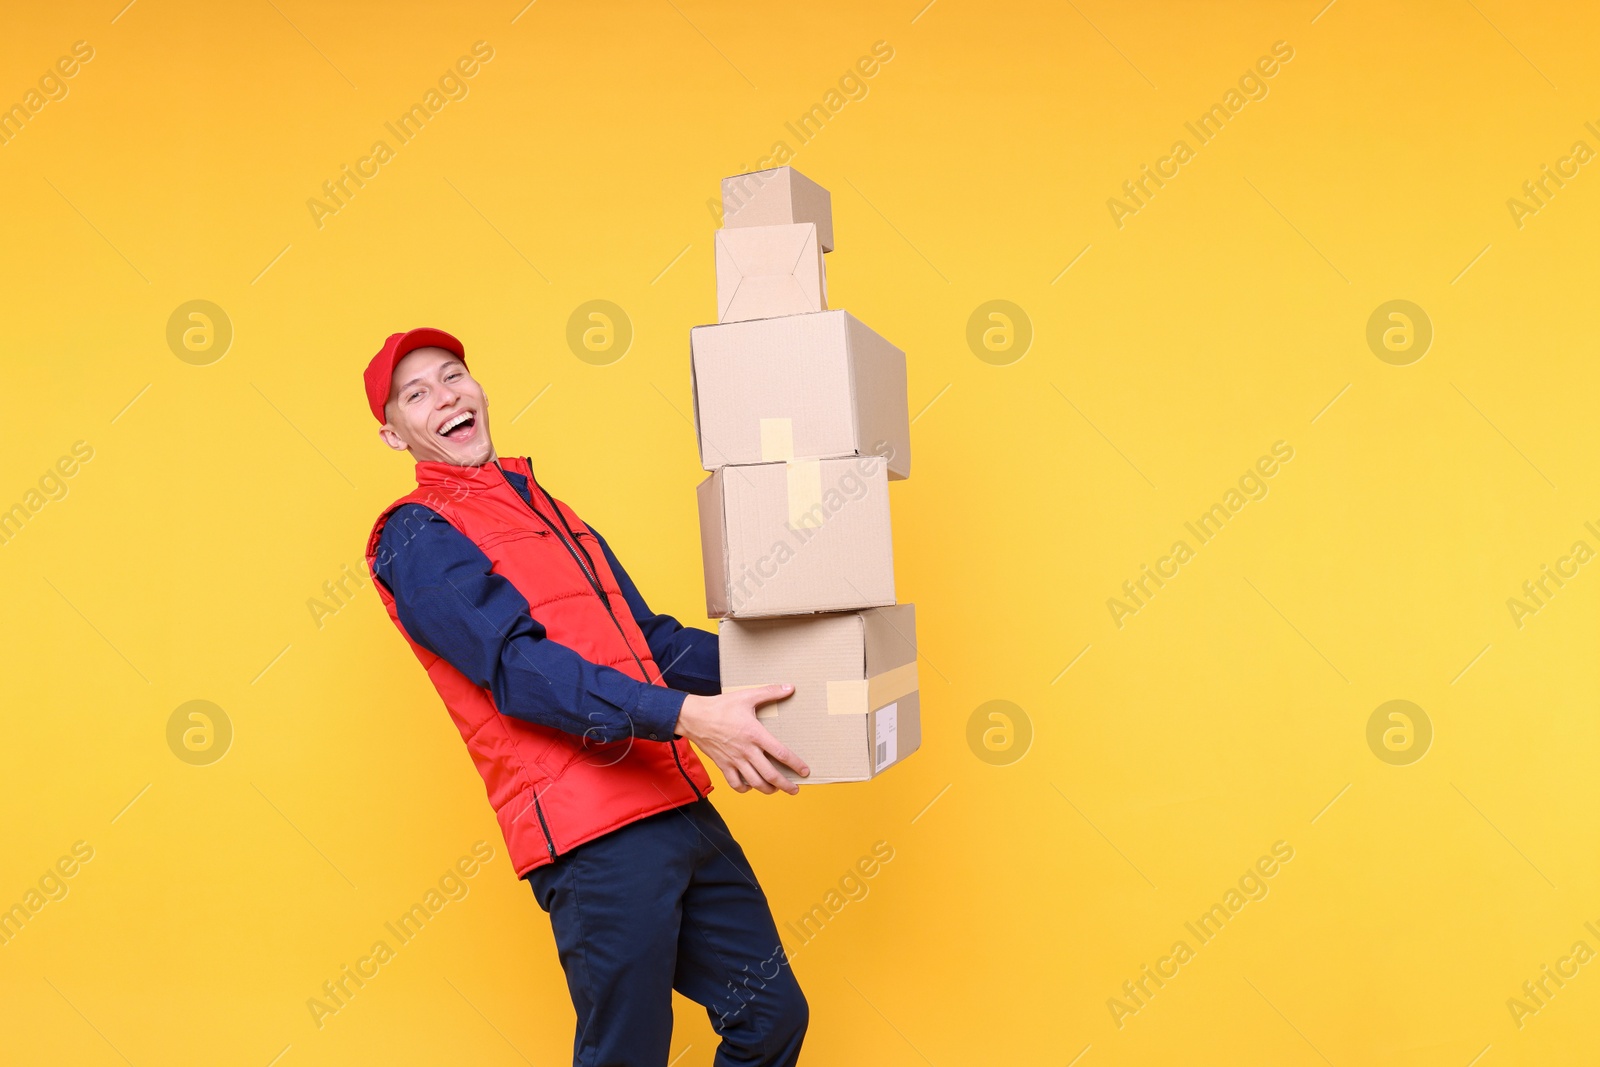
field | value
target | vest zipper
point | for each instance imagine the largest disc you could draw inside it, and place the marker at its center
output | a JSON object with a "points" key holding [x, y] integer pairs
{"points": [[549, 842], [599, 591], [673, 745]]}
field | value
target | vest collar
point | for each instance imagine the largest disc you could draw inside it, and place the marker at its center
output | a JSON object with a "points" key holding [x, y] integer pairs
{"points": [[432, 473]]}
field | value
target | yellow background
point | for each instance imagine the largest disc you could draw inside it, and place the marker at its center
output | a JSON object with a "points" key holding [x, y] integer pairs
{"points": [[1223, 317]]}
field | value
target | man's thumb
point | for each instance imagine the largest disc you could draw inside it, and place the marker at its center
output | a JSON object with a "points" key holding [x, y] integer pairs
{"points": [[775, 691]]}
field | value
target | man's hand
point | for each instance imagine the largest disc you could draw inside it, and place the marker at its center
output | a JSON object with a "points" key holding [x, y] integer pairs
{"points": [[726, 729]]}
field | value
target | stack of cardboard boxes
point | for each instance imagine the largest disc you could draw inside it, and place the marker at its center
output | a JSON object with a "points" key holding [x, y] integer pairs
{"points": [[802, 419]]}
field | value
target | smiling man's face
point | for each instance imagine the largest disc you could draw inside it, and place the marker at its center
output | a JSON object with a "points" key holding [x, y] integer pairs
{"points": [[432, 391]]}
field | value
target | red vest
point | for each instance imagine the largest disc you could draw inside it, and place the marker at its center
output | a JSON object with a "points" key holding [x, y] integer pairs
{"points": [[551, 790]]}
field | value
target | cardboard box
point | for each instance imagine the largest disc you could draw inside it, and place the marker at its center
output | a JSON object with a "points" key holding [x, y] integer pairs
{"points": [[764, 271], [855, 710], [799, 387], [792, 538], [777, 197]]}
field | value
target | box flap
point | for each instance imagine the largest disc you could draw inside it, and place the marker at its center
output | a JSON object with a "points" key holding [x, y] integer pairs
{"points": [[713, 544], [813, 203], [878, 379], [891, 637], [768, 271], [694, 403]]}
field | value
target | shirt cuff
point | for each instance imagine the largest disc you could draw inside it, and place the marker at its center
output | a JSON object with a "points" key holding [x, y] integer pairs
{"points": [[655, 714]]}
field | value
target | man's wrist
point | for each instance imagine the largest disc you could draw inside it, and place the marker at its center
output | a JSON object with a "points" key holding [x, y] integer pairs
{"points": [[655, 716]]}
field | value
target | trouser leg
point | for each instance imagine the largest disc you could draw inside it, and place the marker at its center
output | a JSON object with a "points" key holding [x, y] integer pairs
{"points": [[615, 906], [729, 958]]}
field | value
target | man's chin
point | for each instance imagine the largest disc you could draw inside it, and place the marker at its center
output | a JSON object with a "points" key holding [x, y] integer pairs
{"points": [[476, 456]]}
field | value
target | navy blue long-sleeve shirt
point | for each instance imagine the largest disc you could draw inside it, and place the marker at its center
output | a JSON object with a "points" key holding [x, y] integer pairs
{"points": [[452, 603]]}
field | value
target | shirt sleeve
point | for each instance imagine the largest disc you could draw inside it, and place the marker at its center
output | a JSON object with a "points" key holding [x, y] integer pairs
{"points": [[453, 604], [688, 657]]}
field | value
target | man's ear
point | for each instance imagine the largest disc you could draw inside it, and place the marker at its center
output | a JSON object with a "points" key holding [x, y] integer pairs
{"points": [[392, 439]]}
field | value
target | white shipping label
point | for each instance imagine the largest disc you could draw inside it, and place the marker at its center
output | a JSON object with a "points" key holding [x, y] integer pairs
{"points": [[887, 725]]}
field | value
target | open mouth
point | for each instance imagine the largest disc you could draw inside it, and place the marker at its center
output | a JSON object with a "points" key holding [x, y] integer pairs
{"points": [[459, 427]]}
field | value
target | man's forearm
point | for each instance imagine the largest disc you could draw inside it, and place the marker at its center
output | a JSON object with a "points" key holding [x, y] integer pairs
{"points": [[543, 681], [452, 603]]}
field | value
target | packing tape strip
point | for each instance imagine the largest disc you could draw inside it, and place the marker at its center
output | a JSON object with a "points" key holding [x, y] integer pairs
{"points": [[777, 440], [860, 696], [804, 477], [805, 493]]}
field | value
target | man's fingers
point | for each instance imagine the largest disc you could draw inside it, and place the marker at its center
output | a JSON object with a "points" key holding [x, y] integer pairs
{"points": [[771, 776], [755, 766], [753, 774], [785, 755], [752, 777], [780, 751]]}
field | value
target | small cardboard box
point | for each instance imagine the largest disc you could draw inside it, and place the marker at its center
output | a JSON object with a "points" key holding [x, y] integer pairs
{"points": [[855, 710], [798, 387], [764, 271], [777, 197], [799, 537]]}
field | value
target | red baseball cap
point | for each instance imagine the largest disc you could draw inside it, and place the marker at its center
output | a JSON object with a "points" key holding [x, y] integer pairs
{"points": [[379, 374]]}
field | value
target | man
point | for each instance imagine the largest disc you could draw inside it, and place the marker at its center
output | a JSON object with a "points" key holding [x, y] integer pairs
{"points": [[578, 704]]}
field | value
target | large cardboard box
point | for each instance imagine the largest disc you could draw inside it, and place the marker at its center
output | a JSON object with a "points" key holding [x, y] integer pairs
{"points": [[792, 538], [764, 271], [855, 710], [801, 387], [777, 197]]}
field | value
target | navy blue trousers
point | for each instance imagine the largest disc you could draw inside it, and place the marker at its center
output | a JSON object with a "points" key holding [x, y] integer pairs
{"points": [[670, 902]]}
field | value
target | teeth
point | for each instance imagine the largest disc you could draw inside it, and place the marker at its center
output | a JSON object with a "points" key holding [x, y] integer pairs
{"points": [[453, 423]]}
